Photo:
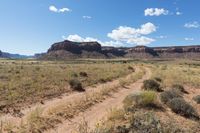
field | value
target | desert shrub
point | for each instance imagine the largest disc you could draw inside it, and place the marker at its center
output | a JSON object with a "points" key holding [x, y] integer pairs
{"points": [[197, 99], [179, 88], [141, 99], [158, 79], [151, 85], [180, 106], [131, 68], [74, 75], [124, 62], [128, 101], [168, 95], [122, 129], [75, 84], [147, 98], [145, 123], [17, 72], [83, 74], [102, 80]]}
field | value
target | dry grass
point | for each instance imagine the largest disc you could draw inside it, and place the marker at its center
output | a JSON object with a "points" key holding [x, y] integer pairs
{"points": [[40, 121], [25, 81], [178, 73], [167, 74]]}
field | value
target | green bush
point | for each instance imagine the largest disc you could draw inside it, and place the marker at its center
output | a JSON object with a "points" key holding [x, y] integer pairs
{"points": [[75, 84], [141, 99], [168, 95], [197, 99], [179, 88], [147, 98], [151, 85], [180, 106]]}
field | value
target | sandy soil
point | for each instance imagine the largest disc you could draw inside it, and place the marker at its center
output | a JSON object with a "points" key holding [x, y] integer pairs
{"points": [[98, 111]]}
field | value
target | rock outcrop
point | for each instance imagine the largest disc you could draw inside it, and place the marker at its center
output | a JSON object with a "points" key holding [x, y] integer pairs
{"points": [[72, 50]]}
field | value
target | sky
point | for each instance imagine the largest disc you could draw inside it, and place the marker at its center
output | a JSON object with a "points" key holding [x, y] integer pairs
{"points": [[32, 26]]}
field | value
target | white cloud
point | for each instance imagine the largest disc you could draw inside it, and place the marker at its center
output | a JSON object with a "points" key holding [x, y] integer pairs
{"points": [[87, 17], [189, 39], [112, 43], [53, 9], [155, 12], [140, 40], [122, 33], [77, 38], [147, 28], [194, 24], [61, 10], [121, 36], [178, 13], [133, 36], [64, 10]]}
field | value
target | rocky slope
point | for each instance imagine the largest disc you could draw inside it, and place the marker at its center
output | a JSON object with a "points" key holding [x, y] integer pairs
{"points": [[73, 50]]}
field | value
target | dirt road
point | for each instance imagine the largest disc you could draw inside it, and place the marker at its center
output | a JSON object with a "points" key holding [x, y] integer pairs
{"points": [[52, 102], [98, 111]]}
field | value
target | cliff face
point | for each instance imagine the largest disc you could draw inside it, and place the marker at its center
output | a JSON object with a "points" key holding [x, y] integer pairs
{"points": [[71, 50]]}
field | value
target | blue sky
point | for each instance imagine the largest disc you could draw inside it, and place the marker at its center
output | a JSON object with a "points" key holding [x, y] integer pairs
{"points": [[32, 26]]}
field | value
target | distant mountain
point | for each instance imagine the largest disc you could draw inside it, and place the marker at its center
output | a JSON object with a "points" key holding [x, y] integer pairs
{"points": [[13, 56], [72, 50]]}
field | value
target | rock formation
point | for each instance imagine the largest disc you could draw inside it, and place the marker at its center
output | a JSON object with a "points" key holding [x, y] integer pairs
{"points": [[72, 50]]}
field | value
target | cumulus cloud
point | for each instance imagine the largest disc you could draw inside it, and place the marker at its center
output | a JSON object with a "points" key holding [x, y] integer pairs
{"points": [[121, 36], [147, 28], [140, 40], [61, 10], [155, 12], [87, 17], [77, 38], [194, 24], [133, 36], [189, 39], [112, 43]]}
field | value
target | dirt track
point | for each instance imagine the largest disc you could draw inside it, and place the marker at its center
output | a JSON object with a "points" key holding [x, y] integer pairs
{"points": [[98, 111]]}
